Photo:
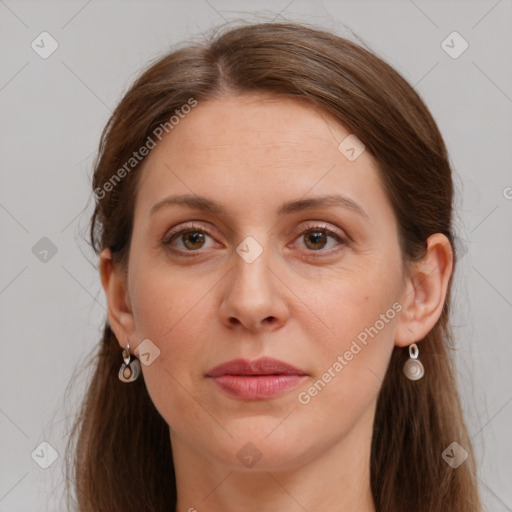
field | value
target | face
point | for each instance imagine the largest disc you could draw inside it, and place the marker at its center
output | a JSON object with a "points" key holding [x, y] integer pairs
{"points": [[317, 286]]}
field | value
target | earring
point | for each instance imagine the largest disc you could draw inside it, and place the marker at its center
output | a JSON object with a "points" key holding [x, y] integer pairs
{"points": [[129, 371], [413, 368]]}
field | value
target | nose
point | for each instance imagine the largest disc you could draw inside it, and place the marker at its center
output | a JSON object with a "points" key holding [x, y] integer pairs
{"points": [[254, 296]]}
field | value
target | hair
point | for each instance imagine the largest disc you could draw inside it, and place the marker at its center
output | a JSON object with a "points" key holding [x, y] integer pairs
{"points": [[123, 458]]}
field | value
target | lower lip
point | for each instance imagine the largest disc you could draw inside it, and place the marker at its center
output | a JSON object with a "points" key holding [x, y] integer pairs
{"points": [[257, 387]]}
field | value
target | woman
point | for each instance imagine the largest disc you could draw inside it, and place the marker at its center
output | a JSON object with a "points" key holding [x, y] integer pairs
{"points": [[274, 225]]}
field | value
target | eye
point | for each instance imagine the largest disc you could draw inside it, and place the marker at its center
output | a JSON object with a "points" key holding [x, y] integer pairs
{"points": [[192, 238], [189, 239], [317, 238]]}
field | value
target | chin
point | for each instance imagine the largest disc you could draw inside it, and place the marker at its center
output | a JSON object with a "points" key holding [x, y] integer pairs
{"points": [[262, 448]]}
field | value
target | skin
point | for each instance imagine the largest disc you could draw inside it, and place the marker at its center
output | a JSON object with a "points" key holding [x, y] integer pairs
{"points": [[252, 153]]}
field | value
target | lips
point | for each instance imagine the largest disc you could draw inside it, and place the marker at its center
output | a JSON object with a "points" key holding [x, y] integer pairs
{"points": [[262, 366], [256, 380]]}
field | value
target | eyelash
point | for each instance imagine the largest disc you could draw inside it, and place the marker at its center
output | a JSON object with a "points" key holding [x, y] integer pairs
{"points": [[192, 228]]}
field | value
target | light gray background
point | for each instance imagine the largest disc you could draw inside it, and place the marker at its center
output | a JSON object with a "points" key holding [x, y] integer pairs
{"points": [[52, 113]]}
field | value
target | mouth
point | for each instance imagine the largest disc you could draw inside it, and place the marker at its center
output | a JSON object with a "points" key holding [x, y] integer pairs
{"points": [[256, 380]]}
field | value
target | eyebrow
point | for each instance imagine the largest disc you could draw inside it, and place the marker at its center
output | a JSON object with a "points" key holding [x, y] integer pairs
{"points": [[201, 203]]}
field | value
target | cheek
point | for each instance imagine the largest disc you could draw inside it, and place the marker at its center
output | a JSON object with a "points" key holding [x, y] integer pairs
{"points": [[173, 322], [174, 311], [351, 363], [167, 302], [358, 308], [353, 354]]}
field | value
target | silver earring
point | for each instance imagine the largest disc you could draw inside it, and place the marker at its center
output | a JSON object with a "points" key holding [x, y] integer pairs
{"points": [[413, 368], [129, 371]]}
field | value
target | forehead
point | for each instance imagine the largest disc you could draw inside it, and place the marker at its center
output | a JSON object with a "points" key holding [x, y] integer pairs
{"points": [[256, 149], [258, 126]]}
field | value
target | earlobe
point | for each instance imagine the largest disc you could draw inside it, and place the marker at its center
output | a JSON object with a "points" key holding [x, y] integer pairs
{"points": [[114, 285], [425, 292]]}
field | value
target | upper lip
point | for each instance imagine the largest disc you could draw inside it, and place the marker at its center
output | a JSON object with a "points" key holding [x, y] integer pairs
{"points": [[262, 366]]}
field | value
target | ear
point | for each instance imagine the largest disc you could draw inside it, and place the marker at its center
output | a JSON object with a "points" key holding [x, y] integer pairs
{"points": [[114, 284], [425, 291]]}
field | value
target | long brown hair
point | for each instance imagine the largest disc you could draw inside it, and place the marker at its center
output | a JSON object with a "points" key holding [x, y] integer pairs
{"points": [[122, 461]]}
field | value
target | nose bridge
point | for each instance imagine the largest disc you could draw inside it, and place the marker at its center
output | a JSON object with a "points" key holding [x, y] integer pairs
{"points": [[251, 272], [253, 295]]}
